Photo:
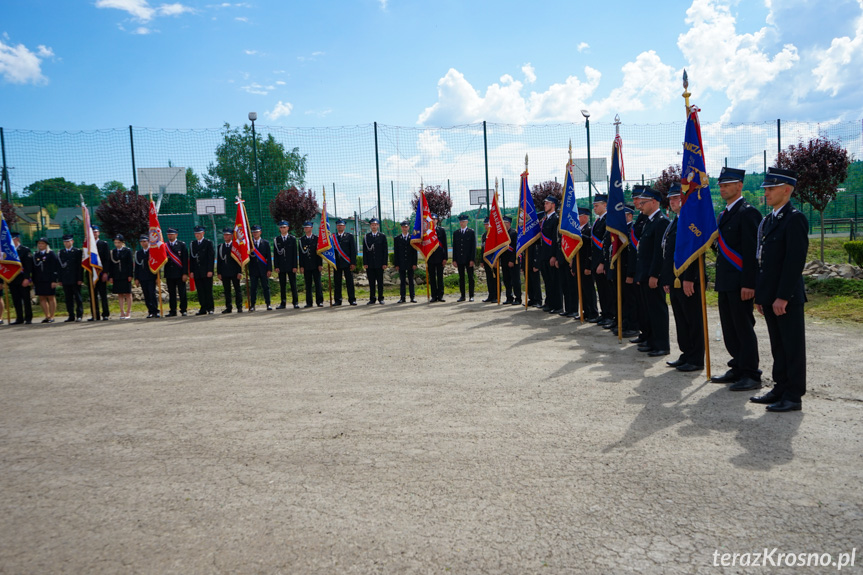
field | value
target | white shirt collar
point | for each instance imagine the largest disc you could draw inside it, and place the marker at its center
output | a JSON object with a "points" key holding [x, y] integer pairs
{"points": [[653, 215], [732, 204]]}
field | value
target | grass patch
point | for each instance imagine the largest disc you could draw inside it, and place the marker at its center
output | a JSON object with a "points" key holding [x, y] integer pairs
{"points": [[834, 250]]}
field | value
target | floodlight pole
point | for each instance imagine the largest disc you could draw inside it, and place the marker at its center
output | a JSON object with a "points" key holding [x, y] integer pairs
{"points": [[485, 150], [586, 115], [253, 116]]}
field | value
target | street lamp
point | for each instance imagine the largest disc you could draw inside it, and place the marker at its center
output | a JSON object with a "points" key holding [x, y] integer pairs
{"points": [[586, 115], [254, 116]]}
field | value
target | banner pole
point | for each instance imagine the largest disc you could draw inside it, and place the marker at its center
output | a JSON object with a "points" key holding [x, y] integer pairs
{"points": [[93, 294], [248, 288], [330, 283], [428, 275], [703, 278], [498, 280], [6, 297], [578, 275], [159, 293], [526, 278], [619, 306]]}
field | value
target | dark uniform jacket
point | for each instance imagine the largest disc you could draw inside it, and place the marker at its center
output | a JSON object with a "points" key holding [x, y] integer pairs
{"points": [[650, 249], [548, 234], [739, 231], [349, 247], [309, 257], [667, 277], [635, 232], [257, 267], [464, 246], [226, 265], [142, 267], [440, 254], [121, 266], [71, 271], [26, 258], [586, 251], [597, 236], [285, 256], [404, 254], [104, 251], [203, 257], [508, 254], [173, 270], [46, 267], [375, 250], [784, 243]]}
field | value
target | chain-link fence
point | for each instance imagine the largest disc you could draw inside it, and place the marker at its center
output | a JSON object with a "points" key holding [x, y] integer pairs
{"points": [[371, 170]]}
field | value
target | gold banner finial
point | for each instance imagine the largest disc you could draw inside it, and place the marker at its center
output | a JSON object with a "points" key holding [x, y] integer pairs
{"points": [[686, 93], [570, 150]]}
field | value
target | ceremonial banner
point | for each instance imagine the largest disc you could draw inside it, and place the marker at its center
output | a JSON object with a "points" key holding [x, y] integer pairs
{"points": [[158, 250], [240, 243], [90, 260], [497, 239], [528, 225], [616, 218], [696, 227], [424, 236], [10, 262], [325, 244], [569, 228]]}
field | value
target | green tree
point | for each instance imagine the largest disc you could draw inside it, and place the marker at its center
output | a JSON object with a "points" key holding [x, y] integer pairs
{"points": [[278, 168], [112, 186], [61, 192]]}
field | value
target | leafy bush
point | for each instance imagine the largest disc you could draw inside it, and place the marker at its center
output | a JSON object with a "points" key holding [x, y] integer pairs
{"points": [[835, 286], [855, 251]]}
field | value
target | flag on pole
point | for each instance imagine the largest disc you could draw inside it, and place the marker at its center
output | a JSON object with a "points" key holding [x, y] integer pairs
{"points": [[615, 221], [424, 236], [10, 261], [90, 259], [696, 228], [528, 225], [569, 227], [158, 250], [325, 244], [240, 242], [497, 239]]}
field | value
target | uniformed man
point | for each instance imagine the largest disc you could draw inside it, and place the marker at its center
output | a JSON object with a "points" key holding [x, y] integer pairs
{"points": [[648, 270], [736, 270], [104, 251], [588, 291], [176, 272], [464, 255], [144, 278], [635, 233], [285, 263], [629, 291], [346, 262], [203, 258], [436, 263], [72, 278], [779, 291], [607, 300], [21, 286], [311, 265], [375, 259], [229, 272], [260, 267], [490, 275], [405, 260], [548, 251], [511, 274], [686, 299], [531, 265]]}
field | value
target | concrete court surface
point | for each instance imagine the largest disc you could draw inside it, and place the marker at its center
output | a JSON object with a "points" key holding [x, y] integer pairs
{"points": [[451, 438]]}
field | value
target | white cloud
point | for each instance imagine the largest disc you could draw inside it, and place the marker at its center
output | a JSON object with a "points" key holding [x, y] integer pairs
{"points": [[319, 113], [19, 65], [250, 52], [834, 62], [430, 143], [281, 110], [310, 58], [280, 82], [258, 89], [241, 19], [384, 4], [138, 9], [142, 31], [583, 47], [720, 59], [174, 9], [529, 73]]}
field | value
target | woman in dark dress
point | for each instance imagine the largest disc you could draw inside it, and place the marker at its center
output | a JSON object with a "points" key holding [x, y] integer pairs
{"points": [[46, 277], [121, 276]]}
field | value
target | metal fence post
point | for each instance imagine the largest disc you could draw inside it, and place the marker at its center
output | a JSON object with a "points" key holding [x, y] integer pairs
{"points": [[134, 171], [335, 213], [485, 150], [5, 174], [378, 172], [778, 138]]}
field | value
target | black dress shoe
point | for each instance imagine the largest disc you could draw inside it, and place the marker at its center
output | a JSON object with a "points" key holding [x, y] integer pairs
{"points": [[370, 302], [461, 299], [281, 306], [380, 301], [297, 306], [320, 305], [337, 304], [269, 308], [630, 332], [594, 319], [745, 384], [611, 325], [639, 339], [544, 308], [92, 319], [251, 309], [201, 312], [555, 310], [516, 302], [413, 300], [69, 320], [508, 301], [227, 310], [562, 313], [785, 405], [658, 352], [728, 377], [573, 315], [17, 322], [308, 305], [353, 303], [401, 300], [766, 399], [442, 300], [689, 367], [184, 314], [645, 348], [239, 310], [432, 300], [675, 363]]}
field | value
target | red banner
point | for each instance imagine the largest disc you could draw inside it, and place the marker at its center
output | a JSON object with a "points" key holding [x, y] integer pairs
{"points": [[498, 238], [158, 255], [428, 241], [240, 245]]}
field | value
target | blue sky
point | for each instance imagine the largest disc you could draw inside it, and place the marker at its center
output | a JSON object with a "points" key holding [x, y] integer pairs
{"points": [[72, 65]]}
